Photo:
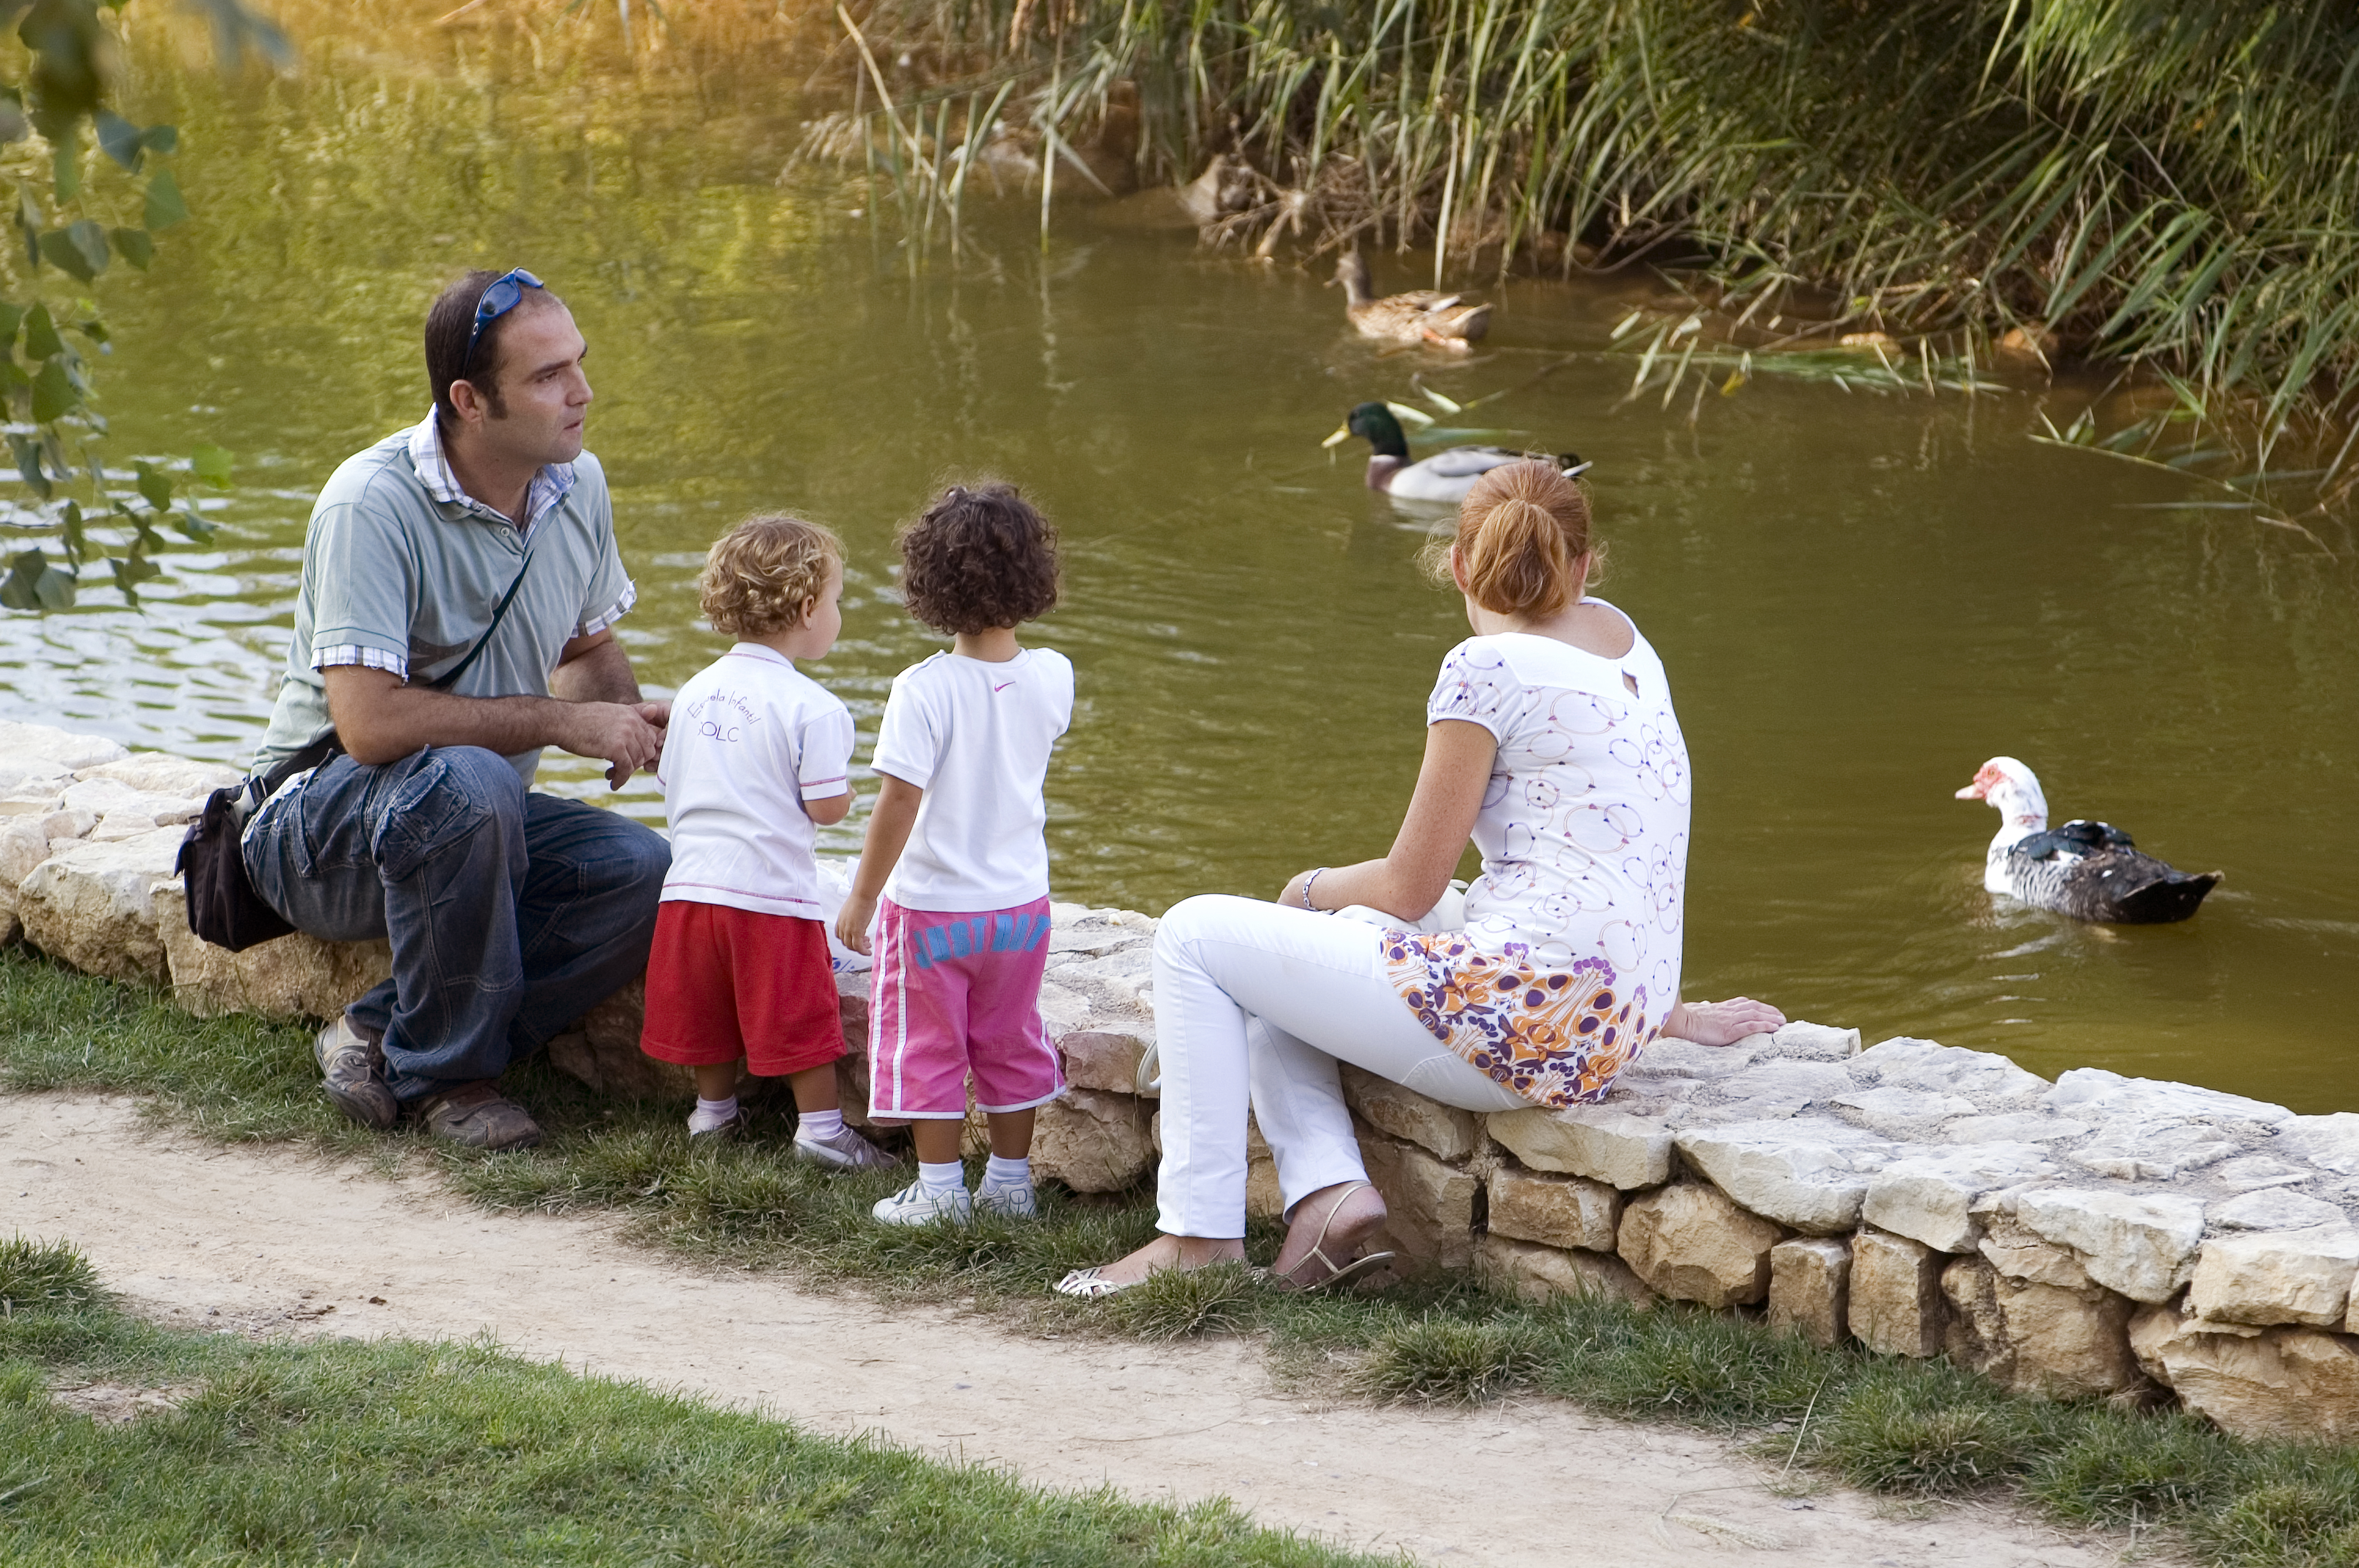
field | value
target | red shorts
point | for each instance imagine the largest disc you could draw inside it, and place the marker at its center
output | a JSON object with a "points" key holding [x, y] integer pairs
{"points": [[724, 983]]}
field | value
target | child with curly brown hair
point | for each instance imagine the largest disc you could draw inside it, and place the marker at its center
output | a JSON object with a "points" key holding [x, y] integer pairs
{"points": [[758, 756], [956, 850]]}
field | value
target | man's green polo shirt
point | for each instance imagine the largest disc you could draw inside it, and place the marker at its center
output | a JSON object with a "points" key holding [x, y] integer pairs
{"points": [[402, 569]]}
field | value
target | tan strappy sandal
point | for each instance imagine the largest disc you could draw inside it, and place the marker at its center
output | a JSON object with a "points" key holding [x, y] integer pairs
{"points": [[1338, 1275]]}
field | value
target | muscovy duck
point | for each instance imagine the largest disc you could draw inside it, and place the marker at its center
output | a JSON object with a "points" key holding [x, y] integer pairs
{"points": [[2089, 871]]}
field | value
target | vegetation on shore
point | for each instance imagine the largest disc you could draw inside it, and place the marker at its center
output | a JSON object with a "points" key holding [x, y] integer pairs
{"points": [[1907, 1428], [343, 1451], [2164, 187]]}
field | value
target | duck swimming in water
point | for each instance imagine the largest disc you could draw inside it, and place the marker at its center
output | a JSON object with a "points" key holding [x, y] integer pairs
{"points": [[1445, 476], [1423, 316], [2089, 871]]}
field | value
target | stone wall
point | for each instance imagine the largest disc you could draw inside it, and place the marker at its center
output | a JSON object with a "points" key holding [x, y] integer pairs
{"points": [[2095, 1236]]}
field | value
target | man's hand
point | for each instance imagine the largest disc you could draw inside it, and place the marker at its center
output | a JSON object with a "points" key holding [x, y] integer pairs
{"points": [[615, 734], [852, 922]]}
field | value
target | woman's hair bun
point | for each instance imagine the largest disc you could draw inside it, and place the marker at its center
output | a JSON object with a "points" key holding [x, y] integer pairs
{"points": [[1522, 532]]}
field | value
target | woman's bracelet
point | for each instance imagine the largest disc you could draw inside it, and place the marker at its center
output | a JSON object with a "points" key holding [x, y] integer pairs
{"points": [[1307, 882]]}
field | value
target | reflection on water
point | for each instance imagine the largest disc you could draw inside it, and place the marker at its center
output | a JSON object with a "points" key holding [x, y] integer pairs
{"points": [[1859, 598]]}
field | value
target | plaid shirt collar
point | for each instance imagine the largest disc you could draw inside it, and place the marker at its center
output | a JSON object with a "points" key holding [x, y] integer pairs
{"points": [[547, 487]]}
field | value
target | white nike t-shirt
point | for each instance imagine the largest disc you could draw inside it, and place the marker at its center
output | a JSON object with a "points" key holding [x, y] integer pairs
{"points": [[751, 739], [975, 737]]}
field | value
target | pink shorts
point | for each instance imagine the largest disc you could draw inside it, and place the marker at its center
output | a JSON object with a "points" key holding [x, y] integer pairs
{"points": [[954, 994]]}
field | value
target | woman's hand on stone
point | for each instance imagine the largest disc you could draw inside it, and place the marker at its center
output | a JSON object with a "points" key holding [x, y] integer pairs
{"points": [[1722, 1022]]}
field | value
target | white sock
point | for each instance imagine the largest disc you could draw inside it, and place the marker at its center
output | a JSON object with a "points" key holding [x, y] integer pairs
{"points": [[818, 1126], [711, 1113], [1015, 1173], [945, 1177]]}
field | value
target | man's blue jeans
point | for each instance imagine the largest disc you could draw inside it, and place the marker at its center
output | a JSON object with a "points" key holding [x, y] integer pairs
{"points": [[510, 913]]}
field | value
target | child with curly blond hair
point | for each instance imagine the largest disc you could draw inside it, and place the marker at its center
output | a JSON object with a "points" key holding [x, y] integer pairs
{"points": [[957, 853], [757, 757]]}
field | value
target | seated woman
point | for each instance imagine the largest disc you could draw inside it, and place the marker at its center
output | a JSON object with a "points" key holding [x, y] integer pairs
{"points": [[1551, 742]]}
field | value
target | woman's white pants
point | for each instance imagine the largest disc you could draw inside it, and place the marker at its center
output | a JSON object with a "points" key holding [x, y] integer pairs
{"points": [[1256, 1003]]}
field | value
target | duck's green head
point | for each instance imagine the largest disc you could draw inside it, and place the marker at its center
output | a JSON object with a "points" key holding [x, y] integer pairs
{"points": [[1374, 423]]}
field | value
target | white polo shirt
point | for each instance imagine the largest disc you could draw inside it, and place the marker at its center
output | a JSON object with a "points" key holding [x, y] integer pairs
{"points": [[751, 739], [975, 737]]}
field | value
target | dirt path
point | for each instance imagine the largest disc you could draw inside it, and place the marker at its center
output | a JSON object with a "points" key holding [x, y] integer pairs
{"points": [[262, 1242]]}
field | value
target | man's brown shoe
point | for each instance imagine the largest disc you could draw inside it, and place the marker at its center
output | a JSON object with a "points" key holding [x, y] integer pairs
{"points": [[352, 1067], [478, 1115]]}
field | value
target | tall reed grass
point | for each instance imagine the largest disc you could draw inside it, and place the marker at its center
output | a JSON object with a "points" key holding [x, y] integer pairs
{"points": [[2162, 185]]}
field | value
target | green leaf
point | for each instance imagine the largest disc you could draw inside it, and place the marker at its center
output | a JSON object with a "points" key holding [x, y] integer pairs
{"points": [[14, 126], [134, 245], [12, 318], [165, 205], [53, 393], [95, 330], [54, 589], [12, 375], [193, 524], [160, 139], [18, 591], [41, 337], [28, 224], [130, 574], [212, 464], [79, 248], [119, 138], [76, 540], [65, 167], [155, 487], [29, 464]]}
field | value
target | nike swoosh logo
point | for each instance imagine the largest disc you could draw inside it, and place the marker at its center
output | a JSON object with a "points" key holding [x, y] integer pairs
{"points": [[1002, 685]]}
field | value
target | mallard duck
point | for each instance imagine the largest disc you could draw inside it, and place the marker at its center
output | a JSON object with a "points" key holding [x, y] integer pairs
{"points": [[2089, 871], [1441, 321], [1445, 476]]}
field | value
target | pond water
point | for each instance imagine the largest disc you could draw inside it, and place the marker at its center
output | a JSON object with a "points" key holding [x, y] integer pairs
{"points": [[1859, 597]]}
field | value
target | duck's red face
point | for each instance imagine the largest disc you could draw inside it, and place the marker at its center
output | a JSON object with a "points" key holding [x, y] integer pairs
{"points": [[1990, 778]]}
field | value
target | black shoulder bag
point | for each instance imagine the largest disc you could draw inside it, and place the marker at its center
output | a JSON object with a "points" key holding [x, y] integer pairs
{"points": [[223, 908]]}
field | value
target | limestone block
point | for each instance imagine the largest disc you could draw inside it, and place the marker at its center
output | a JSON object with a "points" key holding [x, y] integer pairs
{"points": [[2017, 1254], [1900, 1113], [160, 773], [59, 748], [11, 928], [2277, 1276], [2250, 1173], [1896, 1294], [2134, 1149], [94, 905], [2270, 1208], [2330, 1142], [1092, 1141], [2296, 1384], [294, 976], [24, 844], [1812, 1176], [2093, 1094], [608, 1057], [1810, 1288], [1548, 1273], [1930, 1197], [2037, 1339], [1101, 1059], [1443, 1130], [2014, 1127], [1558, 1211], [1691, 1243], [1609, 1146], [2141, 1244], [1990, 1081], [105, 797], [1801, 1042], [1780, 1087], [1432, 1219]]}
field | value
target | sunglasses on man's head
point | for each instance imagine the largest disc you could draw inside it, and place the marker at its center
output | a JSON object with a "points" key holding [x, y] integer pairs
{"points": [[504, 293]]}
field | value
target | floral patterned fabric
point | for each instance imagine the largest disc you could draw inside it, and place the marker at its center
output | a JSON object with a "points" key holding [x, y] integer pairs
{"points": [[1556, 1037], [1571, 954]]}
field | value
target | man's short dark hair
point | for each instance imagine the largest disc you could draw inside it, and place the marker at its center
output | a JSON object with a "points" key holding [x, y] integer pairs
{"points": [[448, 324]]}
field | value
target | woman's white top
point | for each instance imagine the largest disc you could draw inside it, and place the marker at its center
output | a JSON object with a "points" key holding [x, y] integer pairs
{"points": [[751, 739], [1583, 829], [975, 737]]}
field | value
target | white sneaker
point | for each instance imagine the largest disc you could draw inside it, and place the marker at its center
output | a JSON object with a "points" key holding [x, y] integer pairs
{"points": [[913, 1205], [847, 1150], [1013, 1201]]}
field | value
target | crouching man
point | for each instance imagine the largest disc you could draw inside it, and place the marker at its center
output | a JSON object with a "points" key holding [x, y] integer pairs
{"points": [[461, 585]]}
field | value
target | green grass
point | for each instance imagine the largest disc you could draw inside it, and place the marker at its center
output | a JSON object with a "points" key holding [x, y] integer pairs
{"points": [[346, 1452], [1905, 1428]]}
